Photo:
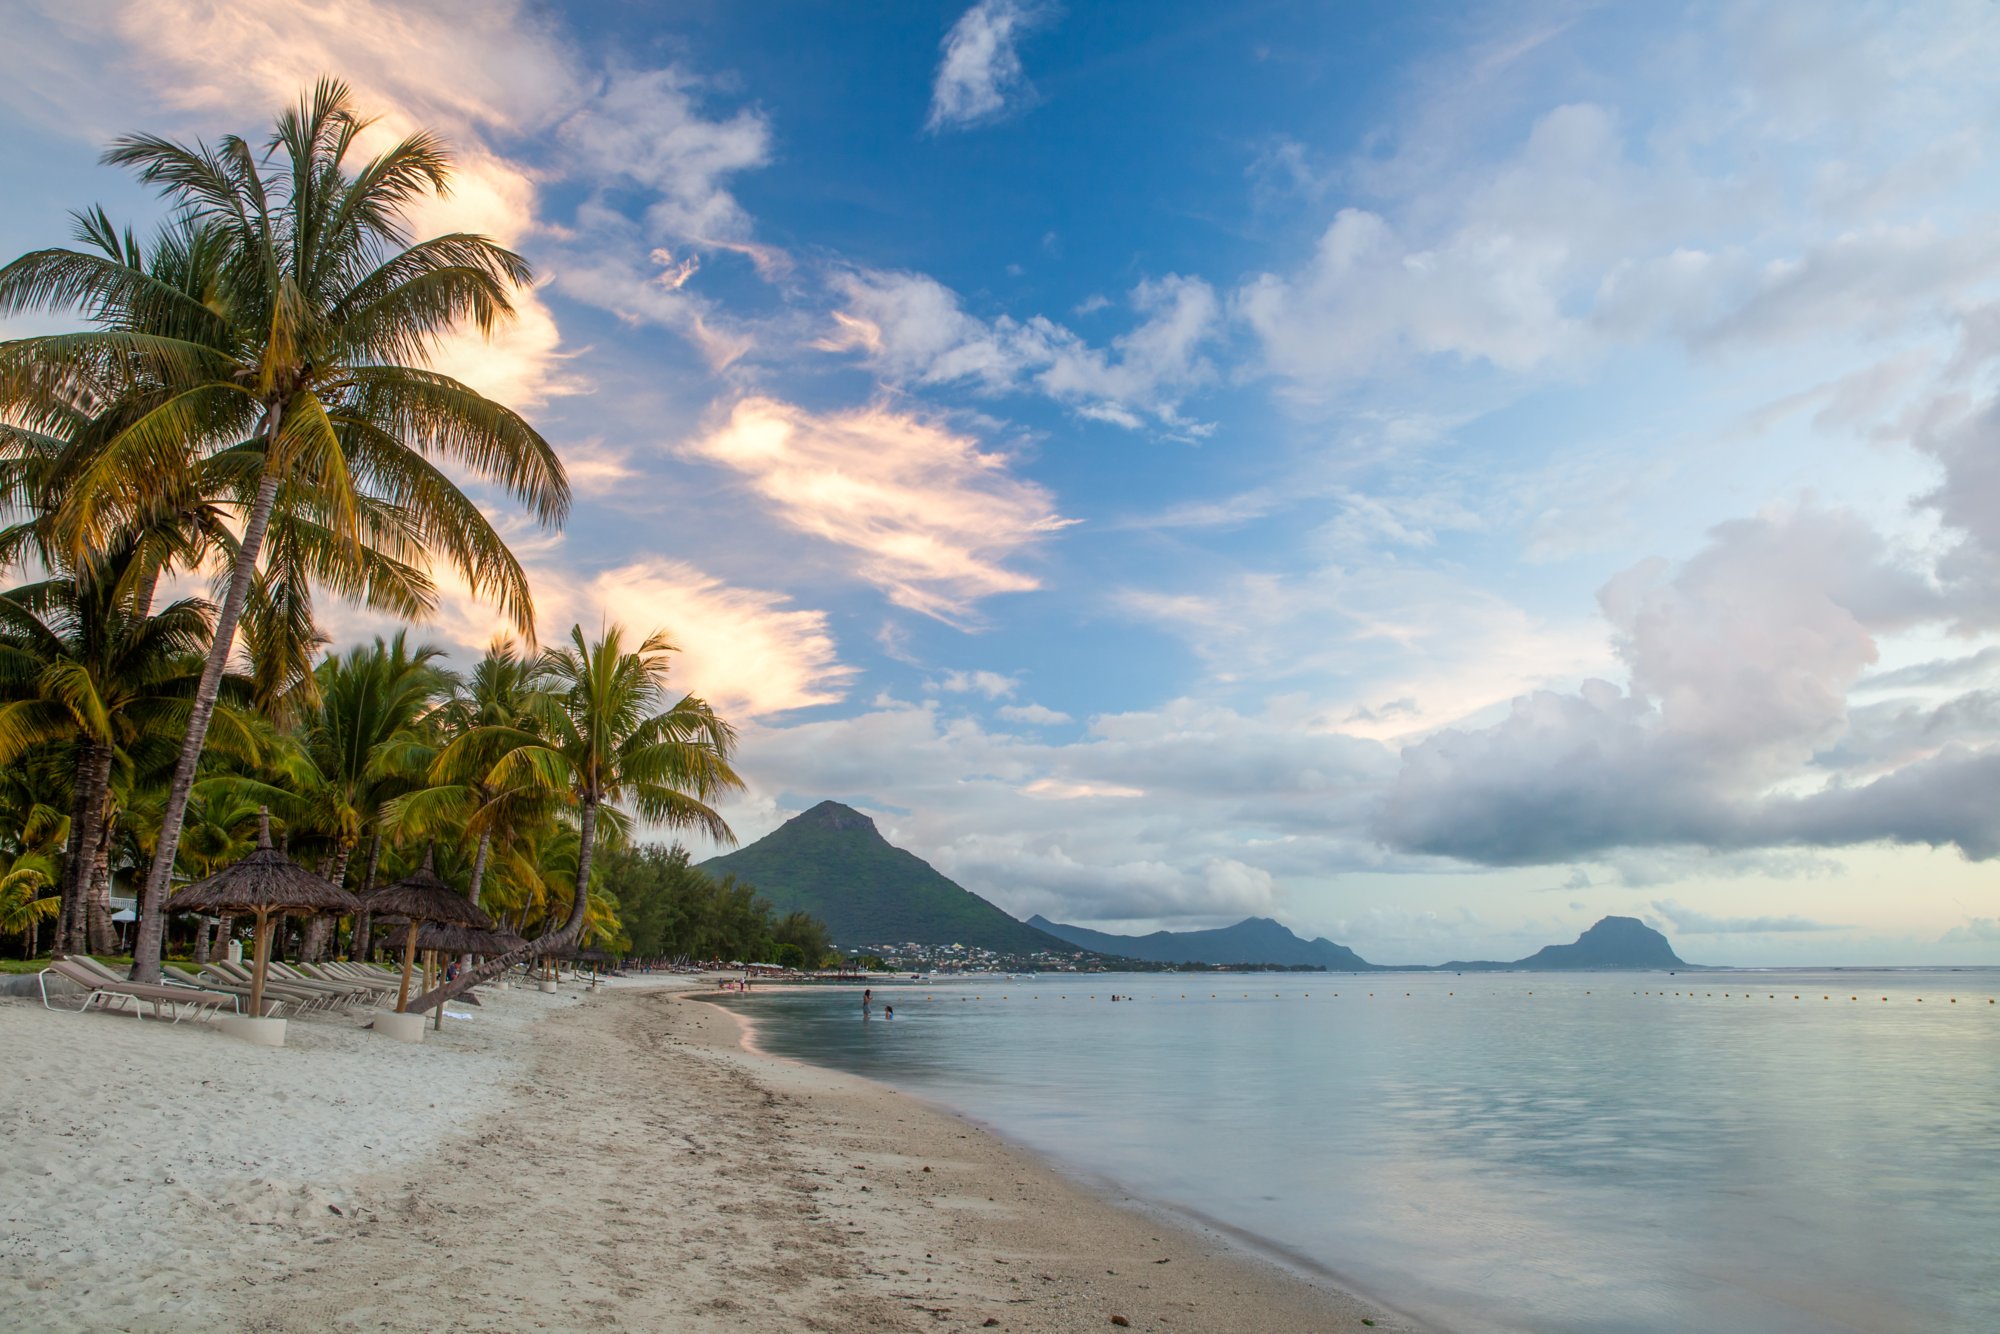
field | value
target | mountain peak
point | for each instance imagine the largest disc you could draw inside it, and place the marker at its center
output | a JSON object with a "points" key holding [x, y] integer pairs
{"points": [[833, 815], [832, 862]]}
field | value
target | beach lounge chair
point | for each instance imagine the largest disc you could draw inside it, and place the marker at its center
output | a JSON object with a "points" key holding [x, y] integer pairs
{"points": [[353, 991], [109, 994], [274, 1006], [321, 972], [361, 972], [303, 998]]}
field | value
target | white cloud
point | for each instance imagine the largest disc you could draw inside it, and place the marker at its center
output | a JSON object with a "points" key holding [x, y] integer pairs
{"points": [[993, 685], [470, 71], [1059, 789], [1034, 715], [980, 78], [1740, 664], [746, 651], [486, 76], [1976, 931], [934, 518], [912, 329], [1194, 811], [609, 274], [648, 127], [1385, 649], [1804, 183], [1692, 922]]}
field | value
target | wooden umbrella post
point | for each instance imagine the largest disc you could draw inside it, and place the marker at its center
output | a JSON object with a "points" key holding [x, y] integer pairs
{"points": [[261, 963], [409, 962]]}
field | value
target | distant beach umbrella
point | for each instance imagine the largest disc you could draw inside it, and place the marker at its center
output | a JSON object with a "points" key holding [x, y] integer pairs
{"points": [[268, 885], [421, 898]]}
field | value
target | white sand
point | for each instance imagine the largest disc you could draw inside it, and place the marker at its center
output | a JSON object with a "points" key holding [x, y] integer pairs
{"points": [[138, 1154], [611, 1162]]}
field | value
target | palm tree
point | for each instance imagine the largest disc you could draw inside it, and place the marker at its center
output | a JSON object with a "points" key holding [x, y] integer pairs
{"points": [[24, 907], [490, 711], [351, 752], [79, 668], [302, 365], [30, 849], [601, 739], [221, 828]]}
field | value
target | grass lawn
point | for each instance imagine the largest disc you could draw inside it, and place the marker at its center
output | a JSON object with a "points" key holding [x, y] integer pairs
{"points": [[108, 960]]}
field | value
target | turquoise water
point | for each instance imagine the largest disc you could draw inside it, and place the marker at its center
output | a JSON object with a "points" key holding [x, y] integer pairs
{"points": [[1507, 1151]]}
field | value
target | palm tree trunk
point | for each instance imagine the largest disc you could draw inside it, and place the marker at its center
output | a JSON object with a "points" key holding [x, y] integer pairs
{"points": [[201, 937], [313, 935], [339, 877], [478, 876], [479, 867], [102, 931], [85, 812], [358, 947], [542, 946], [146, 948]]}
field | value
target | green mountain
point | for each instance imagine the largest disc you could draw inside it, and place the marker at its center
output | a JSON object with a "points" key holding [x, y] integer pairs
{"points": [[1614, 942], [833, 863], [1257, 940]]}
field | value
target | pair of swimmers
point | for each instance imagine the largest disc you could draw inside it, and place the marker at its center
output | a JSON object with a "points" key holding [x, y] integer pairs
{"points": [[868, 997]]}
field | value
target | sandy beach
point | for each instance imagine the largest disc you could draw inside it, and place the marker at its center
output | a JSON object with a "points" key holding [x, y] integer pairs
{"points": [[613, 1160]]}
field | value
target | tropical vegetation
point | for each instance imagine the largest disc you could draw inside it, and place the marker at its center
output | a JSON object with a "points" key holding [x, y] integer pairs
{"points": [[245, 425]]}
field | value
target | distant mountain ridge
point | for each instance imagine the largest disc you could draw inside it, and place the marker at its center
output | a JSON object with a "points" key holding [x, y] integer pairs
{"points": [[832, 862], [1254, 940], [1612, 943]]}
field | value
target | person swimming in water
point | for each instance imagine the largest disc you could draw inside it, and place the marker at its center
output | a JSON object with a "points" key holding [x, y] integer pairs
{"points": [[867, 999]]}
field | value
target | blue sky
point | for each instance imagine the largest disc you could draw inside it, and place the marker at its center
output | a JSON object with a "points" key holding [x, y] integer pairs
{"points": [[1433, 474]]}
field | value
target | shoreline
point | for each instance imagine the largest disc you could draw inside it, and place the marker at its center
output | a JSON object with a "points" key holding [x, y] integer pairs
{"points": [[1247, 1246], [617, 1160]]}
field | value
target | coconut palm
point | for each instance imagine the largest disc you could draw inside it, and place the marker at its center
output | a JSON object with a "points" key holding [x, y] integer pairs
{"points": [[302, 365], [350, 753], [601, 740], [78, 667], [490, 711], [24, 906], [30, 851]]}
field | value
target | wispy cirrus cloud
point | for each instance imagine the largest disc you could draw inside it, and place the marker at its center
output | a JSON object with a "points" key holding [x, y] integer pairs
{"points": [[934, 518], [980, 77]]}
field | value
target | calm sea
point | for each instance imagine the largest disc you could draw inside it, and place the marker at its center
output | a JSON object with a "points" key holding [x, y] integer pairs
{"points": [[1741, 1151]]}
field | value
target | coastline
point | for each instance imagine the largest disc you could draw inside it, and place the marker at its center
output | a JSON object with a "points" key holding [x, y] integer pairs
{"points": [[1217, 1239], [618, 1160]]}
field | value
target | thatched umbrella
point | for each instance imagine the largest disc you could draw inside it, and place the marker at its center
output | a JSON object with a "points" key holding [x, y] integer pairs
{"points": [[420, 898], [269, 885], [452, 939], [437, 939]]}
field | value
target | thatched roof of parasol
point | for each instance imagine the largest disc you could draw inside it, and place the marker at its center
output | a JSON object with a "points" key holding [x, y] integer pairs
{"points": [[421, 895], [266, 879], [466, 940]]}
